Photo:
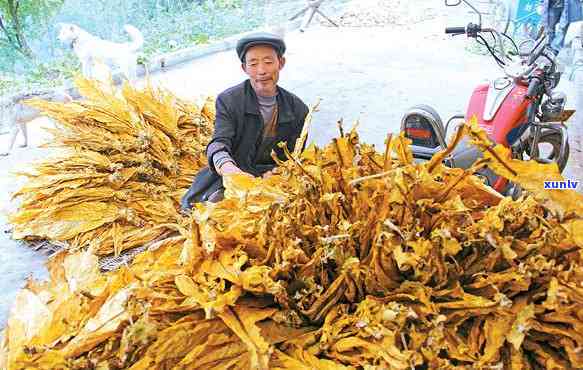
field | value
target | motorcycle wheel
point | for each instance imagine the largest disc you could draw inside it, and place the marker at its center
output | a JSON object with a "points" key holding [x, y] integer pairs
{"points": [[549, 147]]}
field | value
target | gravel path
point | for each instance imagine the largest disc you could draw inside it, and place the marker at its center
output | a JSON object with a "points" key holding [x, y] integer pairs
{"points": [[383, 13]]}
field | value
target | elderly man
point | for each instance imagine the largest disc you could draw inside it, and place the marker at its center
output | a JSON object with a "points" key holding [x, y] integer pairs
{"points": [[251, 118]]}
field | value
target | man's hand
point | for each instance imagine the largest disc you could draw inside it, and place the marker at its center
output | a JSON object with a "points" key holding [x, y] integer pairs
{"points": [[230, 168]]}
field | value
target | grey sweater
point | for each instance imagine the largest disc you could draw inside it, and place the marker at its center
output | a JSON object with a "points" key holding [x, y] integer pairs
{"points": [[266, 107]]}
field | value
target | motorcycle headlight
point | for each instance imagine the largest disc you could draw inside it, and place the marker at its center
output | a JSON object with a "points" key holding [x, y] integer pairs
{"points": [[418, 129], [421, 127]]}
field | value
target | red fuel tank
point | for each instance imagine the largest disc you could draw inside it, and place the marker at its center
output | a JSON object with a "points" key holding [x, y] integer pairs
{"points": [[511, 113]]}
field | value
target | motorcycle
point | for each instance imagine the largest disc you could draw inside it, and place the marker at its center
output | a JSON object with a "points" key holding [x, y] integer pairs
{"points": [[520, 110]]}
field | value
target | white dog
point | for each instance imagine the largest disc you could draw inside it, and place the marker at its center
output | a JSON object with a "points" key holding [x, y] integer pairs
{"points": [[93, 51]]}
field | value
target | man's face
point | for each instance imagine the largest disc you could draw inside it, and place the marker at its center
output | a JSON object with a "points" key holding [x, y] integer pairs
{"points": [[262, 65]]}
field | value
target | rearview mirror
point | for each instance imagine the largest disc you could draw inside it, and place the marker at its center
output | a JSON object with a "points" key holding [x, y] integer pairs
{"points": [[458, 2], [452, 2], [525, 47]]}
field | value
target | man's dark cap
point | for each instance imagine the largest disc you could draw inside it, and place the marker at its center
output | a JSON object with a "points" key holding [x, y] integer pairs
{"points": [[260, 38]]}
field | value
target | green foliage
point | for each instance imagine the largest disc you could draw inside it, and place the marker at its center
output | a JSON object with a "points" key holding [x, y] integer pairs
{"points": [[142, 60], [200, 38], [30, 12], [23, 20], [55, 72], [167, 25], [229, 3]]}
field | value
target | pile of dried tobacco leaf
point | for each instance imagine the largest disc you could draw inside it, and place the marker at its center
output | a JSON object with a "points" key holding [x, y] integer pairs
{"points": [[346, 258], [125, 160]]}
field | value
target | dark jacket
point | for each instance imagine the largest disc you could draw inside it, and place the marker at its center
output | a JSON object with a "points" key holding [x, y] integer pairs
{"points": [[239, 126]]}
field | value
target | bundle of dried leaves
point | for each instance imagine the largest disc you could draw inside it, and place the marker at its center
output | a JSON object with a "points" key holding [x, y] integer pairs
{"points": [[346, 258], [125, 160]]}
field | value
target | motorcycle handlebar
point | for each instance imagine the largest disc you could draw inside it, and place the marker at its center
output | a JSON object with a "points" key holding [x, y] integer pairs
{"points": [[533, 87], [534, 56], [455, 30], [538, 50]]}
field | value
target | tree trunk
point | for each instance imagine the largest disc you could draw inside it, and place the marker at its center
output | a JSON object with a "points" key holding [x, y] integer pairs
{"points": [[10, 41], [18, 32]]}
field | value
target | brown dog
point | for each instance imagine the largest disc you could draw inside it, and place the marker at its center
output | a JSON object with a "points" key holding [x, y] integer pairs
{"points": [[17, 114]]}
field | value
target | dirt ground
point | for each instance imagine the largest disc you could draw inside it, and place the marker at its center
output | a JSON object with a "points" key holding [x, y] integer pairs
{"points": [[371, 74]]}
